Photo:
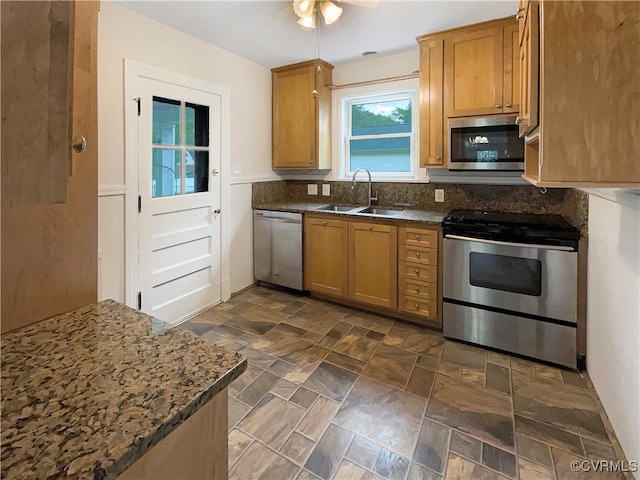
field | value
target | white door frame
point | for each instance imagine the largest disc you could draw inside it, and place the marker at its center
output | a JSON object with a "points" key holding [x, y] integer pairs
{"points": [[132, 72]]}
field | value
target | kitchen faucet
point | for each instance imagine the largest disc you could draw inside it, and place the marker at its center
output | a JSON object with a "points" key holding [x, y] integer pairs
{"points": [[353, 185]]}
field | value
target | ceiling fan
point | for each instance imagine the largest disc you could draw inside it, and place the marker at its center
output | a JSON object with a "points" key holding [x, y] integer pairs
{"points": [[309, 10]]}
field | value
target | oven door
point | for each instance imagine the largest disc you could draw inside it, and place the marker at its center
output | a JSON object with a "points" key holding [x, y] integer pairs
{"points": [[537, 280]]}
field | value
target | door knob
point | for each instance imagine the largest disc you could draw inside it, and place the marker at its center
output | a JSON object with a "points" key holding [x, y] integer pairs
{"points": [[79, 144], [215, 171]]}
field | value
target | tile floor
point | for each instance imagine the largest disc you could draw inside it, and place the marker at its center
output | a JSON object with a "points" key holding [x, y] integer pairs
{"points": [[336, 393]]}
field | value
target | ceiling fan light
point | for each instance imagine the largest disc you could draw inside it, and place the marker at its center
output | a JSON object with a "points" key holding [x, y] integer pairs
{"points": [[303, 8], [308, 22], [330, 11]]}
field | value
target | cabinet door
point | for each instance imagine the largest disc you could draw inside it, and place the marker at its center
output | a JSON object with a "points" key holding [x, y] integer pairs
{"points": [[473, 64], [431, 103], [325, 253], [49, 252], [529, 68], [373, 264], [294, 118], [511, 71]]}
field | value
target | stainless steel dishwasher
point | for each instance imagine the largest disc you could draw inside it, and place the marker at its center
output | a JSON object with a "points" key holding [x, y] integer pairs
{"points": [[277, 248]]}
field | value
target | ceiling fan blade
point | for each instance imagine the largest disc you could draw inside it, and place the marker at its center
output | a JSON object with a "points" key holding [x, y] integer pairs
{"points": [[362, 3]]}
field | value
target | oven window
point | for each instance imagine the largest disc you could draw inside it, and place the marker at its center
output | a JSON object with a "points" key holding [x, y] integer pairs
{"points": [[510, 274]]}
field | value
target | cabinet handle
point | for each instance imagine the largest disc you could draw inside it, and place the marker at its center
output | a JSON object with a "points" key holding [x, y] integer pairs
{"points": [[418, 254], [417, 272], [519, 120], [518, 11], [498, 105], [324, 223], [508, 105], [417, 306], [79, 144], [371, 229], [418, 289], [314, 92], [418, 238], [438, 158]]}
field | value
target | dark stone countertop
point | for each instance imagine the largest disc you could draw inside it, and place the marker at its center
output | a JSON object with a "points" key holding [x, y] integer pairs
{"points": [[87, 393], [404, 215]]}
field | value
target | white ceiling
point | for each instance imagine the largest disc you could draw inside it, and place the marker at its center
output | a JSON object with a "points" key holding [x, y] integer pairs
{"points": [[266, 31]]}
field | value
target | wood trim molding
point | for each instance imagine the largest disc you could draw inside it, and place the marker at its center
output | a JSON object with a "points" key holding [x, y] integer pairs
{"points": [[112, 190]]}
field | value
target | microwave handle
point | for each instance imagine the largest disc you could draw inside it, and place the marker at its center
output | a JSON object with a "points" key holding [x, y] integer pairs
{"points": [[511, 244]]}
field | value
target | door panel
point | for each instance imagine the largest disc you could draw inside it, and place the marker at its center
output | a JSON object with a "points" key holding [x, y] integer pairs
{"points": [[179, 225]]}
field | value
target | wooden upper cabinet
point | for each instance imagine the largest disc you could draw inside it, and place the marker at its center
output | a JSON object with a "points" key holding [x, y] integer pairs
{"points": [[589, 85], [373, 264], [528, 59], [301, 115], [325, 256], [431, 102], [480, 72]]}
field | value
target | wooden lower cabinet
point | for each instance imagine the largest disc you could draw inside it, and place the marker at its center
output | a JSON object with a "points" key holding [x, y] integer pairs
{"points": [[395, 269], [373, 264], [325, 256], [196, 450]]}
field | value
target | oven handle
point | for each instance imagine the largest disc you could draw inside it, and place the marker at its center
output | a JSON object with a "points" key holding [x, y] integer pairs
{"points": [[511, 244]]}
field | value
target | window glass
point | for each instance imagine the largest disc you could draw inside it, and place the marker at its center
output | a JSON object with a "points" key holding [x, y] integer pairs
{"points": [[509, 274], [196, 171], [379, 133], [196, 125], [166, 173], [166, 121]]}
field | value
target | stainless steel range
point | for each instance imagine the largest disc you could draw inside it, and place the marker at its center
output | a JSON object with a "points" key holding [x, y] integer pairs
{"points": [[510, 283]]}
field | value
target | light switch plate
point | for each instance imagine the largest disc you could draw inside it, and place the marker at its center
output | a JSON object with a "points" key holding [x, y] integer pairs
{"points": [[312, 189], [237, 169], [326, 189], [439, 195]]}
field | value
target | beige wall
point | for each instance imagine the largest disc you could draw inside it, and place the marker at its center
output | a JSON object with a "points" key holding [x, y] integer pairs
{"points": [[613, 313], [125, 34]]}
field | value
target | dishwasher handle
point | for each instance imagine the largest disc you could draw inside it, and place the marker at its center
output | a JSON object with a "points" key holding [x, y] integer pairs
{"points": [[277, 219]]}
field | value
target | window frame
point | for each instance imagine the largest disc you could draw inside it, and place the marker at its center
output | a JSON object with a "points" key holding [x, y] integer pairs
{"points": [[345, 98]]}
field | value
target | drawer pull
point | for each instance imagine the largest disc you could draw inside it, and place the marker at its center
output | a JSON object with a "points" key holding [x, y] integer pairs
{"points": [[417, 306], [371, 229], [418, 237], [324, 223], [417, 271], [418, 289], [418, 254]]}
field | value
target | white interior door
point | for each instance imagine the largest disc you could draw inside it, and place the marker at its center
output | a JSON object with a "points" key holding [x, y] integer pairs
{"points": [[179, 151]]}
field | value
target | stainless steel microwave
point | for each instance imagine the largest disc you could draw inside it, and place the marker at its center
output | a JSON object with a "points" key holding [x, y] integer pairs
{"points": [[485, 143]]}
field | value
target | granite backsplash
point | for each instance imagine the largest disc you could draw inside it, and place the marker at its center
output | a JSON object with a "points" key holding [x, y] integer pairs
{"points": [[571, 204]]}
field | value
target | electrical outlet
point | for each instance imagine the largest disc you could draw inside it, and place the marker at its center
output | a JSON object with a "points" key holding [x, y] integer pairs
{"points": [[312, 189], [326, 189], [237, 169], [439, 195]]}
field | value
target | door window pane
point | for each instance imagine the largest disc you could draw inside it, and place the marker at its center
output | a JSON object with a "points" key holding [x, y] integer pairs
{"points": [[166, 121], [196, 125], [166, 172], [509, 274], [196, 171]]}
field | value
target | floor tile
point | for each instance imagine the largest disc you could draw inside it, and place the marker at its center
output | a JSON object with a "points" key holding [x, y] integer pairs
{"points": [[290, 330], [326, 456], [498, 359], [420, 382], [464, 355], [306, 475], [383, 414], [418, 472], [472, 376], [432, 447], [428, 344], [499, 460], [533, 450], [466, 446], [264, 315], [350, 471], [297, 448], [272, 420], [360, 348], [280, 368], [534, 471], [358, 331], [292, 308], [304, 397], [258, 388], [449, 369], [498, 378], [238, 443], [377, 336], [573, 378], [331, 381], [318, 417], [197, 327], [303, 369], [318, 352], [289, 349], [388, 370], [396, 353], [557, 404], [284, 389], [363, 452], [244, 380], [369, 321], [258, 358], [348, 363], [260, 463], [390, 465], [598, 451], [237, 410], [228, 331], [478, 411], [339, 330], [459, 468], [430, 363], [549, 434], [255, 327], [563, 463], [545, 371]]}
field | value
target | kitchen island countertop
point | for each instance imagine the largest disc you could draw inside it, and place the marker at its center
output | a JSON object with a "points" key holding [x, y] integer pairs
{"points": [[87, 393], [405, 214]]}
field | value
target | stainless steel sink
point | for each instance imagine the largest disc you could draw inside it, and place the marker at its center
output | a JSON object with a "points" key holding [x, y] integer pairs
{"points": [[379, 211], [336, 208]]}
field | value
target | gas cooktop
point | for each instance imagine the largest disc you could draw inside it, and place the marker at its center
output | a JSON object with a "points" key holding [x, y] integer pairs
{"points": [[511, 227]]}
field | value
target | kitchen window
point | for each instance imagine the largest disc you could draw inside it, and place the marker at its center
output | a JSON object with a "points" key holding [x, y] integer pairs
{"points": [[378, 132]]}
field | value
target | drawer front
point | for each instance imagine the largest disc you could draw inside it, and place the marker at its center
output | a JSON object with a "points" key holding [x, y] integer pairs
{"points": [[418, 306], [418, 237], [409, 253], [415, 288], [418, 271]]}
